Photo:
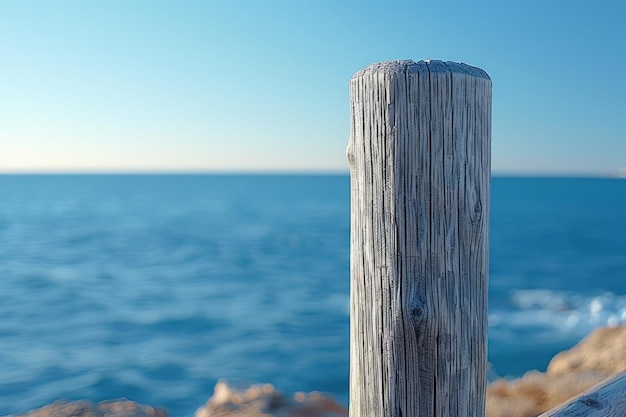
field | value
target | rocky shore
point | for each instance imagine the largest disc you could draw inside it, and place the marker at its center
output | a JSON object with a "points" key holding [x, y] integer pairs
{"points": [[598, 356]]}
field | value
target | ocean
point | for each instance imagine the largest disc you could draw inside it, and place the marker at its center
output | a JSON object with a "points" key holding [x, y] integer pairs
{"points": [[153, 287]]}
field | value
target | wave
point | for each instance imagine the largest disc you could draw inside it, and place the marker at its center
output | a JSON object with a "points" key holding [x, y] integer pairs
{"points": [[561, 311]]}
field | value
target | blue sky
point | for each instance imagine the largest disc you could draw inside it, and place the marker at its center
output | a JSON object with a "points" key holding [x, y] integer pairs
{"points": [[180, 85]]}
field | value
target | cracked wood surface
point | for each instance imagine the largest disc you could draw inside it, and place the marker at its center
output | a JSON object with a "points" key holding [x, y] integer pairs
{"points": [[419, 156]]}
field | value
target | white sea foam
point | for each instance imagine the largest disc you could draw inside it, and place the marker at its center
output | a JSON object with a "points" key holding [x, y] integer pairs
{"points": [[560, 310]]}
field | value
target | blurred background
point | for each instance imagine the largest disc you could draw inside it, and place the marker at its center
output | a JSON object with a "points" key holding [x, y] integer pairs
{"points": [[175, 195]]}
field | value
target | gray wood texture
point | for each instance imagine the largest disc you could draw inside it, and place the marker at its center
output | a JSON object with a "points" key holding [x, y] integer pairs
{"points": [[607, 399], [419, 153]]}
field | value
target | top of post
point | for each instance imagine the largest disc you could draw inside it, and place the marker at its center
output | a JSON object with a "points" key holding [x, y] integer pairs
{"points": [[421, 66]]}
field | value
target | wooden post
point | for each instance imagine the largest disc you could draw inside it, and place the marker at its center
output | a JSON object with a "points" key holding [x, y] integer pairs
{"points": [[419, 155]]}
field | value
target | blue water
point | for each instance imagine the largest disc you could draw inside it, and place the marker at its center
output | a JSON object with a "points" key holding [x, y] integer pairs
{"points": [[153, 287]]}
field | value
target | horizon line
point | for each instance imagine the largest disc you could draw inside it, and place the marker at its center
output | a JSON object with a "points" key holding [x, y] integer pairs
{"points": [[286, 172]]}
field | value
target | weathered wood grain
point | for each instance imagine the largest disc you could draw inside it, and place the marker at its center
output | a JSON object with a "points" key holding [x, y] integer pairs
{"points": [[419, 156], [607, 399]]}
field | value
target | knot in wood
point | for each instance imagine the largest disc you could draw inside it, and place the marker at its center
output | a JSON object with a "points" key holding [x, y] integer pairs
{"points": [[417, 312], [591, 402], [478, 211]]}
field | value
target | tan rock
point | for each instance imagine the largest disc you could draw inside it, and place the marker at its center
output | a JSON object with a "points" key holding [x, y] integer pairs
{"points": [[595, 358], [603, 350], [113, 408], [255, 400], [536, 392]]}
